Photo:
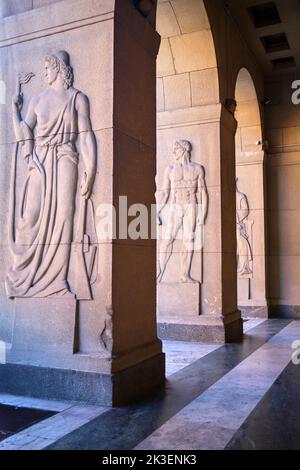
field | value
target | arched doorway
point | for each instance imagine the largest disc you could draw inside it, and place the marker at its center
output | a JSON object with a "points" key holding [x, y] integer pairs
{"points": [[250, 196]]}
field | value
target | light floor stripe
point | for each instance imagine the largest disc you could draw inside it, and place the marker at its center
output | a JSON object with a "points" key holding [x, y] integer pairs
{"points": [[45, 433], [34, 403], [180, 354], [211, 420]]}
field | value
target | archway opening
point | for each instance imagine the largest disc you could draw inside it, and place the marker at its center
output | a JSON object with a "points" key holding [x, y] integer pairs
{"points": [[187, 84], [189, 113]]}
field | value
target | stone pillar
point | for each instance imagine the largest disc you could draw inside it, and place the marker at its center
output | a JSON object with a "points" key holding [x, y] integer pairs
{"points": [[252, 288], [78, 309], [251, 199], [205, 310]]}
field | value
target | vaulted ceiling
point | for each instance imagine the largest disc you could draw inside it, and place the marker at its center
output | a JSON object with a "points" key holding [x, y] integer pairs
{"points": [[272, 30]]}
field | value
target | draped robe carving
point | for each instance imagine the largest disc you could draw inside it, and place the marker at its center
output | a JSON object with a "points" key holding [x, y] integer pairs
{"points": [[41, 231]]}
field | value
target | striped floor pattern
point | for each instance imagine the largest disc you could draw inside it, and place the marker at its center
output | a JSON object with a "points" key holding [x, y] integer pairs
{"points": [[238, 396], [210, 421]]}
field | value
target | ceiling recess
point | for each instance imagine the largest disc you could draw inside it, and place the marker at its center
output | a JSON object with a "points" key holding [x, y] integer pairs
{"points": [[264, 15], [275, 43], [284, 63]]}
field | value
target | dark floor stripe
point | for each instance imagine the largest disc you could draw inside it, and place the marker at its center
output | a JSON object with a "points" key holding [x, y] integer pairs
{"points": [[275, 422], [124, 428], [14, 419]]}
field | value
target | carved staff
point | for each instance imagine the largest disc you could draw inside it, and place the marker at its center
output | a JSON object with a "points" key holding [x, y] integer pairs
{"points": [[82, 246]]}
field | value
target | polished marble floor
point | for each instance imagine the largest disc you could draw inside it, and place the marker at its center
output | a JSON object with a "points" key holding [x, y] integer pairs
{"points": [[236, 396]]}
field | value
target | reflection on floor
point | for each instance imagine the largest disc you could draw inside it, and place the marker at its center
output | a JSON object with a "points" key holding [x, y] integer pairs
{"points": [[180, 354], [237, 396]]}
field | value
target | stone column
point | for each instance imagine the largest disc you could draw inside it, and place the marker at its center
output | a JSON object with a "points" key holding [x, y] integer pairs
{"points": [[94, 337], [252, 288], [205, 310]]}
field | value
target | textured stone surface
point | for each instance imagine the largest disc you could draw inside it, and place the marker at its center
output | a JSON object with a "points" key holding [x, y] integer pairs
{"points": [[127, 386], [201, 329], [79, 335], [178, 300], [250, 171], [200, 44], [282, 132], [210, 421], [141, 420], [271, 425], [188, 59], [285, 311], [211, 391], [49, 336], [255, 312]]}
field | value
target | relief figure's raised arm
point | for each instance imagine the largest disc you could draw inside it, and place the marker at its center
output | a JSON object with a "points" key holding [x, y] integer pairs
{"points": [[24, 128]]}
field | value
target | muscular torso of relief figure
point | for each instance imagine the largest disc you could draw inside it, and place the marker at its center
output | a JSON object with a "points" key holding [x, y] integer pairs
{"points": [[184, 183]]}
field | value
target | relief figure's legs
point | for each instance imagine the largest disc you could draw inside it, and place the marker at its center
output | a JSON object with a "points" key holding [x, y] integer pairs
{"points": [[67, 176], [166, 246], [51, 276], [189, 227], [31, 205]]}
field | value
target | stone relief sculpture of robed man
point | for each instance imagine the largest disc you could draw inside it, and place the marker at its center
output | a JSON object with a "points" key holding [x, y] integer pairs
{"points": [[41, 231]]}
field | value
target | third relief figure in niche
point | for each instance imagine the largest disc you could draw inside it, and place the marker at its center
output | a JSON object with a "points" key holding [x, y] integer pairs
{"points": [[41, 230], [244, 250], [185, 193]]}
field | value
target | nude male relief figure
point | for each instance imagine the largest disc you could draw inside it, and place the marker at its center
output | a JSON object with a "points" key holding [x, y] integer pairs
{"points": [[184, 191]]}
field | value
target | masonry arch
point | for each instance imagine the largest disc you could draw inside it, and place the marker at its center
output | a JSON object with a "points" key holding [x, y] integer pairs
{"points": [[187, 69], [189, 108]]}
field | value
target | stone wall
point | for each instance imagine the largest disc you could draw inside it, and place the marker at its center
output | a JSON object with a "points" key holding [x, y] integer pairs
{"points": [[63, 159], [250, 172], [201, 55], [283, 134]]}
